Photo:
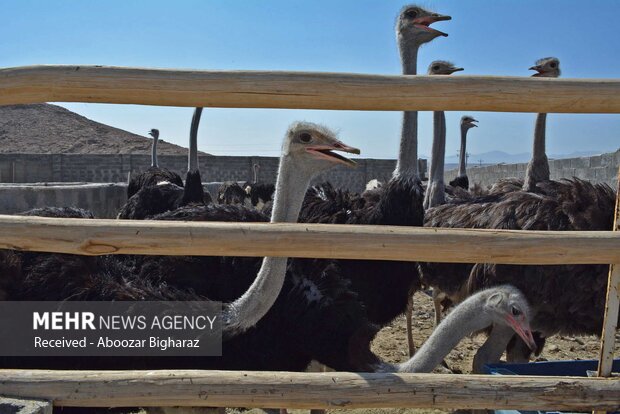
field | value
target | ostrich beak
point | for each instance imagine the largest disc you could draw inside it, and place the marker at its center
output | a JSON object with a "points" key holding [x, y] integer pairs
{"points": [[325, 151], [538, 69], [457, 70], [426, 21], [522, 328]]}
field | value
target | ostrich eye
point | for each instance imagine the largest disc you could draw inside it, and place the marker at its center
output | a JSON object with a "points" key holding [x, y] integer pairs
{"points": [[436, 67], [516, 312], [412, 14], [305, 137], [553, 65]]}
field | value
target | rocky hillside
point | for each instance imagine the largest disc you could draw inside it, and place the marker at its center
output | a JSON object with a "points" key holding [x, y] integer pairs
{"points": [[51, 129]]}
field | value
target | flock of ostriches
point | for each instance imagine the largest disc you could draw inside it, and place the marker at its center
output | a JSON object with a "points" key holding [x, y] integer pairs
{"points": [[330, 310]]}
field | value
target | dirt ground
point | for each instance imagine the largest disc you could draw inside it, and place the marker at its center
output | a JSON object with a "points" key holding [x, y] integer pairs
{"points": [[391, 345]]}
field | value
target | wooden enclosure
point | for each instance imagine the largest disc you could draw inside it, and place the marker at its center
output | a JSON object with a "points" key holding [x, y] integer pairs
{"points": [[319, 91]]}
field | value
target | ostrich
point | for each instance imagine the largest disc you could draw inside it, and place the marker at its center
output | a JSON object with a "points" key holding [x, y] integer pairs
{"points": [[398, 202], [230, 192], [538, 167], [154, 174], [260, 193], [435, 192], [163, 197], [461, 180]]}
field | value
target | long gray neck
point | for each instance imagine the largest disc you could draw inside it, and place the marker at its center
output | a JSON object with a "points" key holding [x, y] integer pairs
{"points": [[407, 162], [463, 153], [154, 152], [435, 193], [466, 318], [255, 175], [538, 167], [192, 160], [246, 311]]}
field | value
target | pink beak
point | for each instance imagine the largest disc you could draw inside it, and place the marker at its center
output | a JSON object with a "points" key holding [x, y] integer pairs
{"points": [[522, 328]]}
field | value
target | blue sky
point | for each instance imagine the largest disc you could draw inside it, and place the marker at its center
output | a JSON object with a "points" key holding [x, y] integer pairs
{"points": [[497, 37]]}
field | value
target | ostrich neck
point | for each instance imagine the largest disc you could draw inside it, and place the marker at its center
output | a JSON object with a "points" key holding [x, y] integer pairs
{"points": [[154, 152], [463, 153], [255, 175], [192, 161], [463, 320], [538, 167], [246, 311], [435, 194], [407, 162]]}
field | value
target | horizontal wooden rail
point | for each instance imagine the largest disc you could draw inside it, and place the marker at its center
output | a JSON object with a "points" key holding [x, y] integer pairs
{"points": [[310, 390], [255, 89], [96, 237]]}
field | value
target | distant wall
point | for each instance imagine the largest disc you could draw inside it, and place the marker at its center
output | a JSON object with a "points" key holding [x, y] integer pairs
{"points": [[113, 168], [103, 200], [598, 168]]}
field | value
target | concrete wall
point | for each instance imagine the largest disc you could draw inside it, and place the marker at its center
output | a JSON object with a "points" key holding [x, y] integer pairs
{"points": [[113, 168], [103, 200], [69, 179], [598, 168]]}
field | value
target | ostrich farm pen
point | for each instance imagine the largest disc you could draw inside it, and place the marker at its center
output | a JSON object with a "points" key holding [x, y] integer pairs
{"points": [[335, 391]]}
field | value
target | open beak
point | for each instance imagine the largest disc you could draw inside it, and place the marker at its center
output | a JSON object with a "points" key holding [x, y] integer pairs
{"points": [[537, 69], [522, 328], [426, 21], [325, 151], [472, 123]]}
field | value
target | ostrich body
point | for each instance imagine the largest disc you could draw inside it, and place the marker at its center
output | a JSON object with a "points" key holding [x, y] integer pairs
{"points": [[461, 179], [154, 174], [397, 202], [230, 192], [260, 193], [167, 196]]}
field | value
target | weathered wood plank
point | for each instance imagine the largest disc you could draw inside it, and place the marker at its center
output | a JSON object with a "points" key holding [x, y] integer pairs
{"points": [[96, 237], [311, 390], [311, 90]]}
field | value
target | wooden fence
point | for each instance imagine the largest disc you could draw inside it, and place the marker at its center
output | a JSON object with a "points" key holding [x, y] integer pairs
{"points": [[319, 91]]}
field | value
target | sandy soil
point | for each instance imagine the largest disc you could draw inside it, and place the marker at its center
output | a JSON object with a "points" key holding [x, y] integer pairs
{"points": [[391, 344]]}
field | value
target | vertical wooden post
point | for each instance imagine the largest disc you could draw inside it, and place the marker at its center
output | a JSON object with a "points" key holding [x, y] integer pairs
{"points": [[612, 306]]}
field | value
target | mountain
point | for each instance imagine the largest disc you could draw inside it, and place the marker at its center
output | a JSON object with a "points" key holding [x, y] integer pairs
{"points": [[51, 129]]}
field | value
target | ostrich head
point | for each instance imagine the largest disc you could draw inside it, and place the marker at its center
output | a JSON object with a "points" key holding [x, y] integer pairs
{"points": [[468, 122], [548, 67], [154, 133], [441, 67], [507, 306], [310, 146], [414, 23]]}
